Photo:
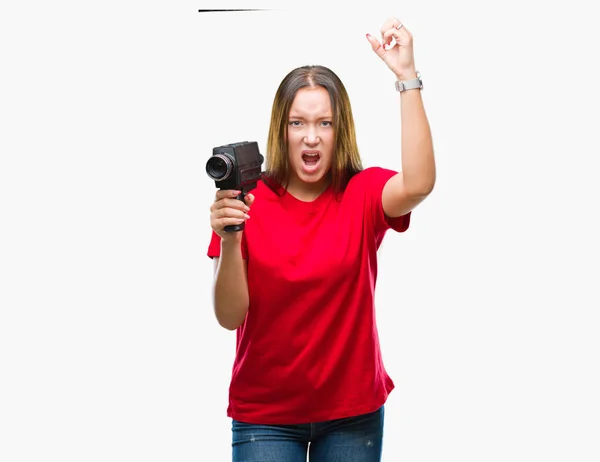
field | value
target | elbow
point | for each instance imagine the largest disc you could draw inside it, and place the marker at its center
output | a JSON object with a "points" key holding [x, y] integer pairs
{"points": [[231, 319], [422, 188], [427, 189], [228, 325]]}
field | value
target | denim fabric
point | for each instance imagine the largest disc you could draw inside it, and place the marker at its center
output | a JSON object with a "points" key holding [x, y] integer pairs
{"points": [[352, 439]]}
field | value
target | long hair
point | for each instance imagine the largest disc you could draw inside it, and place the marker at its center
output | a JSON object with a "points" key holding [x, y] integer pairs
{"points": [[346, 158]]}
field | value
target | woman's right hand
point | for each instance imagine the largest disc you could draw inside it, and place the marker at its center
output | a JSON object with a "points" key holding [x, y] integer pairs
{"points": [[227, 210]]}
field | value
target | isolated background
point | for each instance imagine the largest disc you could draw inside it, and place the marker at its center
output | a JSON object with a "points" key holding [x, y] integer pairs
{"points": [[487, 306]]}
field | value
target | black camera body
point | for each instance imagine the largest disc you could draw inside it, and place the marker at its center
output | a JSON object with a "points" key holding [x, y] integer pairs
{"points": [[236, 166]]}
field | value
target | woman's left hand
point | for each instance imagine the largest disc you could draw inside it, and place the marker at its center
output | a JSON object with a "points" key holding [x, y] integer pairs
{"points": [[399, 58]]}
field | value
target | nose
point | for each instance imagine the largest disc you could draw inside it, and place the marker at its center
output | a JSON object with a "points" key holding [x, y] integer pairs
{"points": [[311, 138]]}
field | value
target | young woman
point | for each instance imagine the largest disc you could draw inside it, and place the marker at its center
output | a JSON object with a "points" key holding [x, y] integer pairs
{"points": [[298, 283]]}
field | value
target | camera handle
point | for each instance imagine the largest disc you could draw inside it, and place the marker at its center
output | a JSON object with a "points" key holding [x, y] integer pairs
{"points": [[241, 226]]}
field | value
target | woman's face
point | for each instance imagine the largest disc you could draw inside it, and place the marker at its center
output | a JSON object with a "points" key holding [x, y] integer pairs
{"points": [[310, 137]]}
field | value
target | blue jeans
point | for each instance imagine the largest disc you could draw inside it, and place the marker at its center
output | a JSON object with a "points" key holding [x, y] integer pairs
{"points": [[353, 439]]}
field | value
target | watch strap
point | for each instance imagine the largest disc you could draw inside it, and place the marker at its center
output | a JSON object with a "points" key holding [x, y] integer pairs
{"points": [[402, 85]]}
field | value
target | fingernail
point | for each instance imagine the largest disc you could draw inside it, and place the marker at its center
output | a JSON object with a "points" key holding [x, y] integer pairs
{"points": [[368, 35], [246, 215]]}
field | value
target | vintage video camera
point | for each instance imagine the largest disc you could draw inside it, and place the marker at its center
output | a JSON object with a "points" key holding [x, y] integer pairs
{"points": [[236, 166]]}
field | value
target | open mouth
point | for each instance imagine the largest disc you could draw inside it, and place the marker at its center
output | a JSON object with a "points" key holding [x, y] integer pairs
{"points": [[311, 159]]}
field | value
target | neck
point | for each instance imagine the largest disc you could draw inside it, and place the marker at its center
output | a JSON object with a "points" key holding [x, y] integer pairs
{"points": [[307, 192]]}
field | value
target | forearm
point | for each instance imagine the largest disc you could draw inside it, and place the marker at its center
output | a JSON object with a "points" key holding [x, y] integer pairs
{"points": [[230, 292], [418, 164]]}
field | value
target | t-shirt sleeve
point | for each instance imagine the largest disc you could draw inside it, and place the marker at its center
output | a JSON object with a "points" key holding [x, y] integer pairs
{"points": [[377, 178], [214, 247]]}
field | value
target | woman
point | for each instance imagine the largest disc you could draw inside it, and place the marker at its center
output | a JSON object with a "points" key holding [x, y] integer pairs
{"points": [[298, 283]]}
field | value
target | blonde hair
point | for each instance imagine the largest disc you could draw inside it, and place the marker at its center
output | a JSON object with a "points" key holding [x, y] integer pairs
{"points": [[346, 158]]}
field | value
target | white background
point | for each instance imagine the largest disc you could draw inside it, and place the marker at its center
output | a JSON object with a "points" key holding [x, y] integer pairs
{"points": [[488, 306]]}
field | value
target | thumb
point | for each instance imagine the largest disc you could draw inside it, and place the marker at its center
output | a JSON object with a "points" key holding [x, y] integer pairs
{"points": [[249, 199], [375, 45]]}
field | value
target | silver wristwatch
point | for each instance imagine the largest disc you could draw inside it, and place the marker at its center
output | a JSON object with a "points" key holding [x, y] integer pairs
{"points": [[402, 85]]}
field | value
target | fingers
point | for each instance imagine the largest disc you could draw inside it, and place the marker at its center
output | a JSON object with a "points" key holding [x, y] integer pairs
{"points": [[229, 212], [227, 195], [402, 36], [220, 223], [391, 31], [226, 210], [223, 193], [229, 203], [226, 216], [377, 48], [391, 23]]}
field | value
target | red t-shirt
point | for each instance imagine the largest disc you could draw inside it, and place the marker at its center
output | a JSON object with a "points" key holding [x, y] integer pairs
{"points": [[308, 350]]}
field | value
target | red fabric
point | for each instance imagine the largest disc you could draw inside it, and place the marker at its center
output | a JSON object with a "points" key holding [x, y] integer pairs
{"points": [[308, 350]]}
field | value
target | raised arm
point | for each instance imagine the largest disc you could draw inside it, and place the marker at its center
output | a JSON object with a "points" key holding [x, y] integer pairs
{"points": [[404, 191]]}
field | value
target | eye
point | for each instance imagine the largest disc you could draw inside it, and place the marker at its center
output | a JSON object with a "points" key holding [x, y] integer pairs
{"points": [[294, 123], [327, 122]]}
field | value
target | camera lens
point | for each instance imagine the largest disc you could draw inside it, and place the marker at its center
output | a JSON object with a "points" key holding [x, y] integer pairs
{"points": [[219, 167]]}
